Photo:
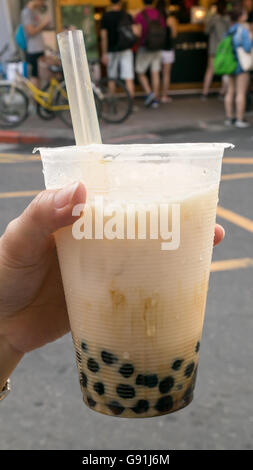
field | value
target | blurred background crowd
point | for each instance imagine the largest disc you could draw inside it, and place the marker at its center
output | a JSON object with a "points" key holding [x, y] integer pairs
{"points": [[158, 48]]}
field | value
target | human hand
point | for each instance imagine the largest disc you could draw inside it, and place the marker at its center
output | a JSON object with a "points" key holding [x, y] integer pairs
{"points": [[45, 21], [33, 310]]}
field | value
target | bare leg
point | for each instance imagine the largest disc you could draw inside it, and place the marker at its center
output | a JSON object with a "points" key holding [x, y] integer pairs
{"points": [[155, 77], [130, 87], [35, 81], [144, 83], [208, 76], [229, 98], [111, 86], [242, 83], [166, 79]]}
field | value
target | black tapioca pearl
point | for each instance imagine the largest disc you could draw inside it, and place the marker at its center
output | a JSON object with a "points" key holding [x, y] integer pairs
{"points": [[177, 364], [91, 402], [125, 391], [150, 381], [83, 379], [164, 404], [92, 365], [189, 369], [166, 384], [126, 370], [141, 406], [116, 407], [84, 346], [99, 388], [78, 356], [197, 347], [108, 357], [179, 386]]}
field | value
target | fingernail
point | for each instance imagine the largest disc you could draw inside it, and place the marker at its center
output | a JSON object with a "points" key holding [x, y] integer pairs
{"points": [[64, 196]]}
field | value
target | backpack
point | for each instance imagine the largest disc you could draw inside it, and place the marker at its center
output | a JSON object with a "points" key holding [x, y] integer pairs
{"points": [[126, 36], [225, 62], [156, 34], [21, 37]]}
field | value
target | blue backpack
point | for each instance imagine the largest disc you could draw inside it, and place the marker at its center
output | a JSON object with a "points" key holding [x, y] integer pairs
{"points": [[21, 37]]}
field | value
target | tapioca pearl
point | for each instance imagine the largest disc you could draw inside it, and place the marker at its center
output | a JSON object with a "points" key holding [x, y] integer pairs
{"points": [[108, 357], [116, 407], [126, 370], [166, 384], [91, 402], [164, 404], [150, 381], [83, 379], [92, 365], [189, 369], [197, 347], [84, 346], [78, 356], [99, 388], [125, 391], [177, 364], [179, 386], [141, 406]]}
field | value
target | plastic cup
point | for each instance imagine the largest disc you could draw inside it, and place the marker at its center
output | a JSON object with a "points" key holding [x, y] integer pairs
{"points": [[136, 293]]}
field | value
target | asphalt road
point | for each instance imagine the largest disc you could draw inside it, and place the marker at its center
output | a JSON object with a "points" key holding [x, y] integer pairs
{"points": [[45, 410]]}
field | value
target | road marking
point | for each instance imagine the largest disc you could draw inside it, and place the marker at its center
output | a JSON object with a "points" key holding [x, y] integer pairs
{"points": [[19, 194], [229, 264], [16, 157], [236, 176], [238, 161], [236, 219]]}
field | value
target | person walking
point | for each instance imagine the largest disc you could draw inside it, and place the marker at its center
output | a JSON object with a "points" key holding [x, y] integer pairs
{"points": [[33, 28], [153, 37], [238, 82], [216, 27], [114, 55], [168, 53]]}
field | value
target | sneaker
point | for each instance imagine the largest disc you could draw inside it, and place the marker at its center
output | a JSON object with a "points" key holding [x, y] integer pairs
{"points": [[229, 122], [241, 124], [155, 104], [149, 99]]}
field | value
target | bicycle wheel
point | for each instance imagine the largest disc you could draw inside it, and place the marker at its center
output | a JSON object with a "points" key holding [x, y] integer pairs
{"points": [[115, 101], [13, 106], [44, 113], [61, 100]]}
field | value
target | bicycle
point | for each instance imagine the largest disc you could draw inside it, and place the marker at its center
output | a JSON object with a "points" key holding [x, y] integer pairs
{"points": [[53, 100]]}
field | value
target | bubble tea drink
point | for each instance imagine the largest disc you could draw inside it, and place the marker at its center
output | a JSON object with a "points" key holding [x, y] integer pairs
{"points": [[135, 269]]}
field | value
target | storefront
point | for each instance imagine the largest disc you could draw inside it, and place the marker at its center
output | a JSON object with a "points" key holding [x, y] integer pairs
{"points": [[191, 42]]}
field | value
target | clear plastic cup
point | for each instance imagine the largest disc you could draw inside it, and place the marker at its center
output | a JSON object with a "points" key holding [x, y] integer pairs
{"points": [[136, 293]]}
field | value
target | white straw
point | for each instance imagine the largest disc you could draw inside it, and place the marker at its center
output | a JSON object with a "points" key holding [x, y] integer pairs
{"points": [[79, 88]]}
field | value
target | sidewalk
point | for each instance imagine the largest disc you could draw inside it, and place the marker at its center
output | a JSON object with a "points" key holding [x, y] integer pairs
{"points": [[183, 114]]}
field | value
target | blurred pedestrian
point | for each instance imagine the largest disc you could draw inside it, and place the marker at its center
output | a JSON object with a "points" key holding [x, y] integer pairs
{"points": [[239, 81], [152, 41], [33, 27], [216, 27], [115, 54], [168, 53]]}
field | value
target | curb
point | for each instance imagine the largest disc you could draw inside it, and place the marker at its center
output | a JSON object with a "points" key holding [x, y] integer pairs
{"points": [[14, 137]]}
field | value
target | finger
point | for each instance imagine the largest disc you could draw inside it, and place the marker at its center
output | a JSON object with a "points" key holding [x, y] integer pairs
{"points": [[219, 234], [29, 236]]}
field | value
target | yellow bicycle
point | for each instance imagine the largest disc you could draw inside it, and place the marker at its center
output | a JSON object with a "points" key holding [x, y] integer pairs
{"points": [[52, 100]]}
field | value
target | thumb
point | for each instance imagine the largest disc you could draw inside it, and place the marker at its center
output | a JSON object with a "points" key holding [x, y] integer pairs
{"points": [[28, 237]]}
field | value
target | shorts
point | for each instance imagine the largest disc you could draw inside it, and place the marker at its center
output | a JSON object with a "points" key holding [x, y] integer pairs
{"points": [[168, 57], [146, 59], [121, 64], [32, 59]]}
